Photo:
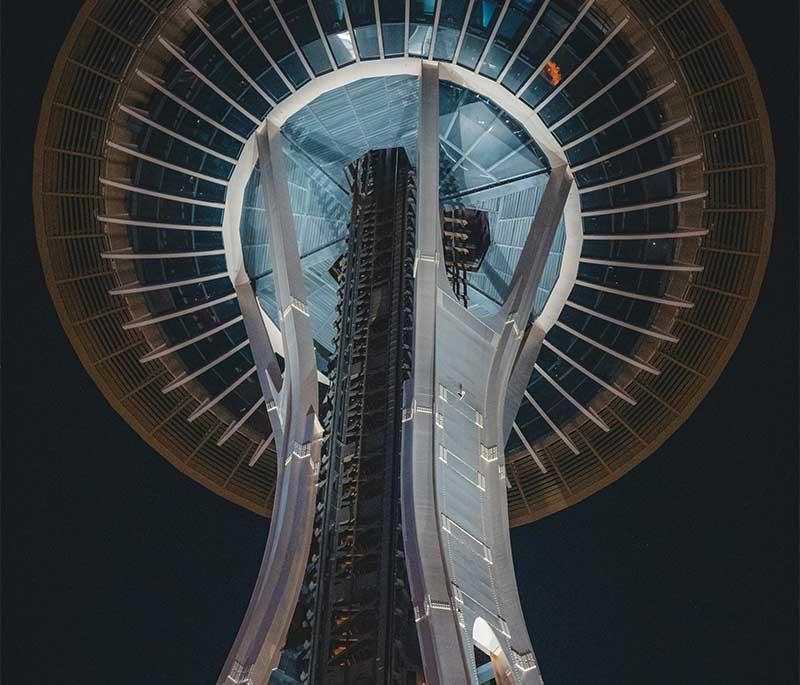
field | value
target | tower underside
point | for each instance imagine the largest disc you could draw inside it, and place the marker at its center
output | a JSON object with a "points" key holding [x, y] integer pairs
{"points": [[358, 607]]}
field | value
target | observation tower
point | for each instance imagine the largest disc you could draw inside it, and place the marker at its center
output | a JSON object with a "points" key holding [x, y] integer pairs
{"points": [[397, 275]]}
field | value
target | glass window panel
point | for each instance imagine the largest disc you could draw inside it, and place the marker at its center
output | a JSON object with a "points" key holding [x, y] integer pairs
{"points": [[393, 27], [229, 31], [481, 23], [362, 18], [331, 17], [304, 30], [420, 30], [451, 19], [262, 19], [513, 27]]}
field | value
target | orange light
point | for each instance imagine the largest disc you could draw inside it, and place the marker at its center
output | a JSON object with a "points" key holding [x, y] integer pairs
{"points": [[552, 72]]}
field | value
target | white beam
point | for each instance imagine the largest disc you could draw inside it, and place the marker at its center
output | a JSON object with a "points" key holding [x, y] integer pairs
{"points": [[528, 447], [564, 83], [262, 447], [492, 35], [644, 174], [236, 425], [678, 199], [177, 53], [150, 320], [621, 117], [162, 196], [185, 378], [513, 58], [189, 108], [133, 152], [613, 389], [623, 324], [561, 434], [141, 116], [622, 357], [681, 304], [150, 287], [260, 45], [586, 411], [210, 403], [644, 266], [138, 223], [160, 255], [586, 6], [617, 79], [250, 80], [322, 36], [664, 235], [463, 32], [164, 351], [668, 128]]}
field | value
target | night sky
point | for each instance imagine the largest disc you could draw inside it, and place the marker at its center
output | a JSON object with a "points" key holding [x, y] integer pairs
{"points": [[117, 569]]}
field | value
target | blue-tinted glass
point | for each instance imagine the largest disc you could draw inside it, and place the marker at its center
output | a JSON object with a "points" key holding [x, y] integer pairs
{"points": [[543, 38], [512, 29], [362, 18], [261, 18], [420, 30], [451, 20], [302, 27], [229, 31], [481, 23], [393, 27], [331, 17]]}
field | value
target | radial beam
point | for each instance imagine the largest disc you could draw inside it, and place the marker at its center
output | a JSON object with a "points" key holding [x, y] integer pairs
{"points": [[528, 447], [613, 389], [212, 402], [671, 302], [120, 185], [127, 254], [150, 320], [664, 130], [236, 425], [664, 235], [582, 65], [185, 378], [140, 223], [161, 88], [652, 97], [553, 426], [586, 411], [164, 351], [644, 266], [633, 66], [463, 32], [586, 7], [249, 79], [678, 199], [513, 58], [676, 164], [141, 116], [257, 41], [623, 324], [603, 348], [178, 54], [262, 447], [133, 152], [138, 288]]}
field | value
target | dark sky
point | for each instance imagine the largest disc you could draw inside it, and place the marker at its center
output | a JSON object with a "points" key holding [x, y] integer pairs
{"points": [[117, 569]]}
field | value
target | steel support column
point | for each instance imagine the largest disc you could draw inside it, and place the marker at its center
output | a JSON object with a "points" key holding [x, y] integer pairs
{"points": [[293, 408], [455, 517]]}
